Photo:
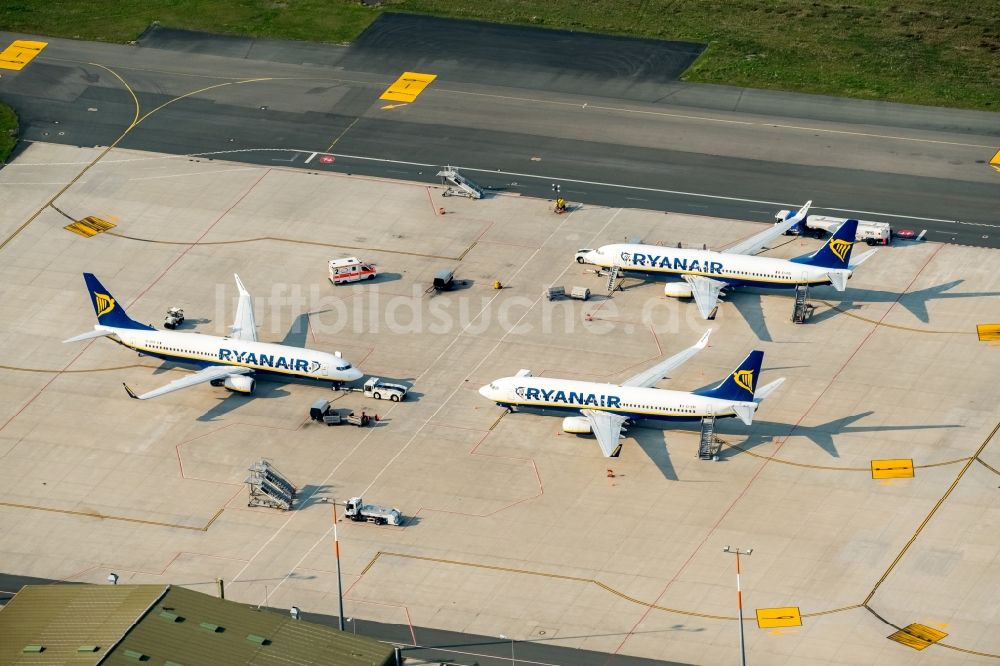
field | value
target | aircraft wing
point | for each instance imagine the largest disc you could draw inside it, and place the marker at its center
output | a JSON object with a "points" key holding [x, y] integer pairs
{"points": [[244, 327], [705, 292], [200, 377], [756, 243], [607, 428], [650, 377]]}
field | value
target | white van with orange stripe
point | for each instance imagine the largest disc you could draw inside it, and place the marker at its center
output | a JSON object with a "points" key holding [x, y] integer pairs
{"points": [[350, 269]]}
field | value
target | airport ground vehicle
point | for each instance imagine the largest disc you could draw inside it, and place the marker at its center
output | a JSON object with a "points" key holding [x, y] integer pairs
{"points": [[873, 233], [579, 293], [443, 281], [174, 318], [358, 511], [323, 411], [376, 388], [350, 269]]}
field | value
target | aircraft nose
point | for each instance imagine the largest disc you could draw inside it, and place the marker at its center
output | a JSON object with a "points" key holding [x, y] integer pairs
{"points": [[354, 374], [485, 391]]}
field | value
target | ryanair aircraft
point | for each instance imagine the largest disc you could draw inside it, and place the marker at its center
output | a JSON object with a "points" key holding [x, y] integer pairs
{"points": [[606, 408], [232, 361], [707, 273]]}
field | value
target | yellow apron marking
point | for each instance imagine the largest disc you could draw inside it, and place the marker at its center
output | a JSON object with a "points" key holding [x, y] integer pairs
{"points": [[89, 226], [901, 468], [768, 618], [995, 162], [20, 53], [407, 87], [988, 332], [917, 636]]}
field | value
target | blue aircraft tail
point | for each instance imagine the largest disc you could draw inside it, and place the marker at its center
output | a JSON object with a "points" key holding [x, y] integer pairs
{"points": [[109, 311], [742, 383], [836, 253]]}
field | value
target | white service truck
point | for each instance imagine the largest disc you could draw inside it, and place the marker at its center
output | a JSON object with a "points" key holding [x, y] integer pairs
{"points": [[376, 388], [873, 233], [358, 511]]}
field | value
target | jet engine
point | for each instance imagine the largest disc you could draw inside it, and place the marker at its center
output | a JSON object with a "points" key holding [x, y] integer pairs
{"points": [[677, 290], [239, 383], [578, 425]]}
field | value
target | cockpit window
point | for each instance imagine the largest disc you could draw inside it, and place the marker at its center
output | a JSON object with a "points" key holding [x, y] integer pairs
{"points": [[494, 387], [344, 367]]}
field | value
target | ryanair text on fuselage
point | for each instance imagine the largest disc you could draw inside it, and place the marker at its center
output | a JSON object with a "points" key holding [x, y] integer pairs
{"points": [[268, 361], [568, 397], [655, 261]]}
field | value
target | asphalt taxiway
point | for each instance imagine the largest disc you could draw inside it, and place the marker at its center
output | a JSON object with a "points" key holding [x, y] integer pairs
{"points": [[600, 117]]}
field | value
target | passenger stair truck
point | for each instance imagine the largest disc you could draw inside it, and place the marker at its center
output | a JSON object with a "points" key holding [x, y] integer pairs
{"points": [[460, 186], [269, 487], [873, 233], [357, 511]]}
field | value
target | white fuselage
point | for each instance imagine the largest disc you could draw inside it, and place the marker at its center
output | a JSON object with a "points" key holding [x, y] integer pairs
{"points": [[631, 402], [211, 350], [735, 269]]}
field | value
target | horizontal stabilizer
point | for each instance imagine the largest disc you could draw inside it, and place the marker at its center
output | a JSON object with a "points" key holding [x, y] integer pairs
{"points": [[90, 335], [861, 258], [838, 279], [764, 391], [745, 410]]}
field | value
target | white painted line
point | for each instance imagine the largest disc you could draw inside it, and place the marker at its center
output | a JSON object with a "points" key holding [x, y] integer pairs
{"points": [[634, 188], [311, 156]]}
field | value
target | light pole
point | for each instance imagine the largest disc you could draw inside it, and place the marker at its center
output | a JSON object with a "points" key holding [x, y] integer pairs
{"points": [[354, 627], [739, 596], [340, 584], [502, 637]]}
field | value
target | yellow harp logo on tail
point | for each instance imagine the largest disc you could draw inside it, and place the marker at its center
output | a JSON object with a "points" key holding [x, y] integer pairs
{"points": [[105, 304], [744, 379], [840, 248]]}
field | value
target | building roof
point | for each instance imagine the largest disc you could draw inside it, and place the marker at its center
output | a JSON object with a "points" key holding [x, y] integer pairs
{"points": [[157, 624], [64, 618]]}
